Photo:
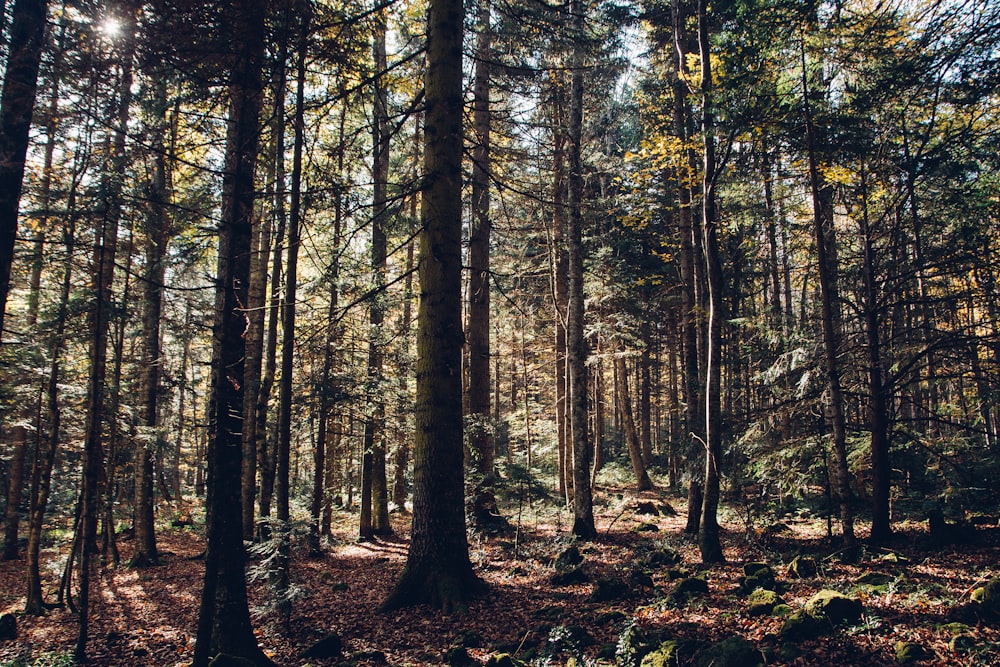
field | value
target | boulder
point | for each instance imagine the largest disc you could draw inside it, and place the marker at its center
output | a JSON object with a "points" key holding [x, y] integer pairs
{"points": [[802, 567], [756, 575], [570, 577], [568, 559], [874, 579], [835, 607], [646, 527], [762, 602], [908, 652], [672, 653], [8, 627], [800, 625], [687, 589], [660, 558], [606, 589], [329, 646], [458, 656], [503, 660], [731, 652], [647, 508], [961, 643], [634, 643]]}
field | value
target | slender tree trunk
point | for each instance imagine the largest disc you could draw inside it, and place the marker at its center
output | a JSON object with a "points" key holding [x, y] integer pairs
{"points": [[374, 489], [576, 344], [438, 571], [560, 285], [103, 270], [643, 483], [710, 546], [17, 102], [224, 624], [481, 440], [825, 238], [645, 397], [157, 231]]}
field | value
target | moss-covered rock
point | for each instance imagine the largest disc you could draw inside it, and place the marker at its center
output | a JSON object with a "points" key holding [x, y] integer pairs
{"points": [[568, 559], [577, 575], [835, 607], [874, 579], [639, 579], [659, 558], [762, 602], [895, 558], [730, 652], [646, 527], [458, 656], [952, 629], [908, 652], [672, 653], [962, 643], [634, 642], [687, 589], [800, 625], [802, 567], [757, 575], [503, 660], [608, 588], [782, 610]]}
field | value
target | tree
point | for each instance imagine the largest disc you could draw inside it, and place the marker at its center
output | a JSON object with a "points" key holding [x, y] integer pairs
{"points": [[224, 617], [438, 571], [17, 102]]}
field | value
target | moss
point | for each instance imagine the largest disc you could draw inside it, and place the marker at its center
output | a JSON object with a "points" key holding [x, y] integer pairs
{"points": [[961, 643], [689, 588], [762, 602], [503, 660], [730, 652], [801, 625], [802, 567], [835, 607], [908, 652]]}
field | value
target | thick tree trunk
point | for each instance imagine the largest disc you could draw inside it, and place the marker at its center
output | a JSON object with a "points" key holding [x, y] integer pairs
{"points": [[438, 571], [17, 102], [224, 624]]}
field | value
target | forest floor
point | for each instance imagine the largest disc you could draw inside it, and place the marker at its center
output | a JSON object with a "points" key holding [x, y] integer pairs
{"points": [[148, 616]]}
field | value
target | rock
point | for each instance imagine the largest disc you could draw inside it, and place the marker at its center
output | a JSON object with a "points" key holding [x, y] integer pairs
{"points": [[660, 558], [762, 602], [378, 657], [731, 652], [874, 579], [760, 570], [503, 660], [226, 660], [953, 629], [782, 610], [634, 643], [675, 573], [568, 559], [607, 652], [647, 508], [689, 588], [800, 625], [666, 509], [639, 579], [606, 589], [8, 627], [961, 643], [471, 639], [609, 617], [458, 656], [756, 575], [570, 577], [672, 653], [893, 557], [329, 646], [802, 567], [835, 607], [646, 527], [908, 652], [340, 587]]}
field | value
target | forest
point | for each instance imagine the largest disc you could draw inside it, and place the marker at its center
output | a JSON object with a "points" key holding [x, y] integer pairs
{"points": [[495, 332]]}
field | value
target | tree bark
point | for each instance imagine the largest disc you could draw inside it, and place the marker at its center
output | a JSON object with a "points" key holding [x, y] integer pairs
{"points": [[224, 624], [438, 570], [481, 440], [643, 483], [17, 102]]}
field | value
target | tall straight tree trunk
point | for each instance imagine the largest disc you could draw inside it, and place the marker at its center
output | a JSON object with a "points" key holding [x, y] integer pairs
{"points": [[481, 440], [645, 396], [102, 277], [689, 325], [438, 570], [878, 409], [17, 102], [157, 231], [827, 271], [576, 343], [709, 543], [283, 482], [642, 483], [374, 487], [224, 624], [560, 280]]}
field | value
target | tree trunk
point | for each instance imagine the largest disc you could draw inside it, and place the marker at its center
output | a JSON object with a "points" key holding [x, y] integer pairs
{"points": [[17, 102], [643, 483], [374, 491], [827, 270], [157, 231], [438, 571], [481, 440], [224, 624], [709, 544]]}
